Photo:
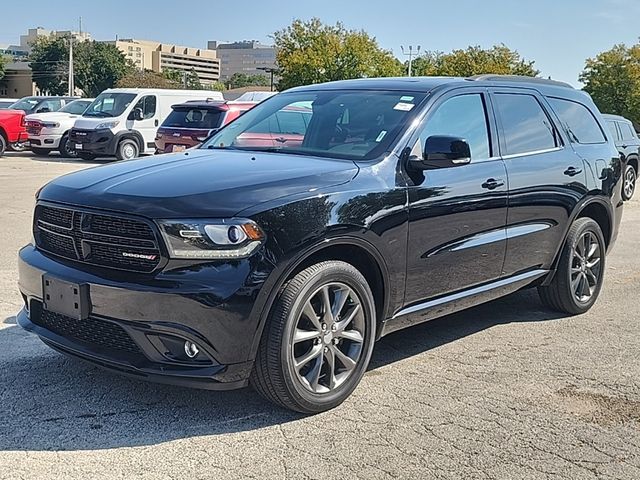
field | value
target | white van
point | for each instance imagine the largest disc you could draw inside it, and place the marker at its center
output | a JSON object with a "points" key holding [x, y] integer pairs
{"points": [[123, 121]]}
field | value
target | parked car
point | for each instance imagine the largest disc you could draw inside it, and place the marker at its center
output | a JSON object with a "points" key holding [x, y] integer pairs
{"points": [[12, 129], [5, 103], [628, 143], [190, 123], [124, 121], [279, 266], [41, 104], [50, 131]]}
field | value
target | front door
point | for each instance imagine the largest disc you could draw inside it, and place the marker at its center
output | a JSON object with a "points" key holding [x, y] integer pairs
{"points": [[148, 126], [457, 215]]}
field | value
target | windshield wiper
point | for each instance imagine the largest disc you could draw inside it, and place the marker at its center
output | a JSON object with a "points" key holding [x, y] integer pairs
{"points": [[98, 114]]}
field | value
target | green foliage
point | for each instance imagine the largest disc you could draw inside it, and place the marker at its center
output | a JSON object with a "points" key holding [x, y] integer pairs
{"points": [[474, 60], [239, 80], [97, 65], [2, 62], [612, 79], [312, 52], [146, 79]]}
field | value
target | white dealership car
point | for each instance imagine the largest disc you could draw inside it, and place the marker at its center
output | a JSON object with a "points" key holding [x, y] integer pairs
{"points": [[50, 131]]}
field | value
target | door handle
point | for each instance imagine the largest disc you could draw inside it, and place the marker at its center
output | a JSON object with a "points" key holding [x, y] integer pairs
{"points": [[156, 122], [492, 183], [572, 171]]}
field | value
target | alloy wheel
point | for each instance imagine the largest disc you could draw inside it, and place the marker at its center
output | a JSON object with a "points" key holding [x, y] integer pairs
{"points": [[629, 184], [328, 338], [586, 266]]}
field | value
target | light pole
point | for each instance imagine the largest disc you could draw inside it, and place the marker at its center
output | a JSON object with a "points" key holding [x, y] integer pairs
{"points": [[410, 53], [72, 87], [270, 70]]}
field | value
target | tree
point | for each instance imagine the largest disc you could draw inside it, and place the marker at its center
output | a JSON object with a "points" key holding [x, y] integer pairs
{"points": [[311, 52], [474, 60], [612, 79], [2, 61], [239, 80], [97, 65], [146, 79]]}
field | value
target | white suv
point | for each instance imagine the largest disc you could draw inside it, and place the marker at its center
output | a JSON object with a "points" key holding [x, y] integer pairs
{"points": [[50, 131]]}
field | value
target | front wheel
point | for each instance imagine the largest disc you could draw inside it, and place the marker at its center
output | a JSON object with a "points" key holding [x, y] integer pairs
{"points": [[18, 147], [127, 149], [578, 279], [629, 182], [3, 144], [318, 340], [66, 148]]}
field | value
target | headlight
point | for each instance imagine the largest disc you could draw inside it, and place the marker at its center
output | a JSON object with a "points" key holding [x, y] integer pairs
{"points": [[111, 124], [50, 124], [230, 238]]}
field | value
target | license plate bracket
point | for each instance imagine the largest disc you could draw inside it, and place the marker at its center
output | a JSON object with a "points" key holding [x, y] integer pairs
{"points": [[66, 298]]}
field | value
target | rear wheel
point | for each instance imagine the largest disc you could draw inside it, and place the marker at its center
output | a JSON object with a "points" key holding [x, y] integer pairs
{"points": [[40, 152], [578, 279], [629, 182], [318, 340], [66, 149], [127, 149], [3, 144]]}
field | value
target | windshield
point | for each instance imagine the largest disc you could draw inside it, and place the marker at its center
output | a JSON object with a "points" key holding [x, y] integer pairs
{"points": [[109, 104], [194, 117], [350, 124], [77, 107], [26, 104]]}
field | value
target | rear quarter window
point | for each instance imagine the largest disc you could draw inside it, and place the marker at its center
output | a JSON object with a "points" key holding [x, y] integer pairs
{"points": [[578, 121]]}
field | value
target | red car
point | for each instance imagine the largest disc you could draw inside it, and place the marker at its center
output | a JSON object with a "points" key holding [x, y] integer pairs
{"points": [[12, 129], [192, 122]]}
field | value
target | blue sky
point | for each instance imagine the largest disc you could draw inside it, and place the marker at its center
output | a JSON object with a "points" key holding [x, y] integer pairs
{"points": [[558, 34]]}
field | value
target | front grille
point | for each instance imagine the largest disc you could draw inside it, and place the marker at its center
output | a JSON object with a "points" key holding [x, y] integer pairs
{"points": [[92, 331], [97, 239]]}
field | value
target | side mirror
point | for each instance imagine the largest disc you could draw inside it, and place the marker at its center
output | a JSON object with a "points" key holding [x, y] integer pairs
{"points": [[137, 114], [441, 151], [43, 110]]}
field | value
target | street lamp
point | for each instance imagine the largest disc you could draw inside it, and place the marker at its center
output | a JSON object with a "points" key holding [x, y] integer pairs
{"points": [[270, 70], [410, 54]]}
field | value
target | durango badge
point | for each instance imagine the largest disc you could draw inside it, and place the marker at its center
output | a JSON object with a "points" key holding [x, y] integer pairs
{"points": [[139, 255]]}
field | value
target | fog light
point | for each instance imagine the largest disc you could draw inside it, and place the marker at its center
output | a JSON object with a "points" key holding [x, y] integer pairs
{"points": [[191, 349]]}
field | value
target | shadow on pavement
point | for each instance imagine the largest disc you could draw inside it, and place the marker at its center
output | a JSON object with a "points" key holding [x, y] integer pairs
{"points": [[51, 402]]}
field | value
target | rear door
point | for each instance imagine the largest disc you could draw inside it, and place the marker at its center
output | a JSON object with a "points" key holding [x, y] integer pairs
{"points": [[629, 141], [546, 178]]}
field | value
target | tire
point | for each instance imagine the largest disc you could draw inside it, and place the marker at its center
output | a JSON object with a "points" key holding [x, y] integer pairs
{"points": [[40, 152], [18, 147], [567, 292], [311, 388], [86, 156], [65, 148], [629, 182], [3, 144], [127, 149]]}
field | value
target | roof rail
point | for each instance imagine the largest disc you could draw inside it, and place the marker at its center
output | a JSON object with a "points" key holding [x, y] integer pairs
{"points": [[518, 78]]}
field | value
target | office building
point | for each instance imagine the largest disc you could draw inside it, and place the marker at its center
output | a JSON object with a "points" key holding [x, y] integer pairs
{"points": [[247, 57]]}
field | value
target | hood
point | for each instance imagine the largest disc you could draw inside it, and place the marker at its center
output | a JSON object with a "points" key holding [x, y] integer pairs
{"points": [[90, 123], [51, 116], [197, 184]]}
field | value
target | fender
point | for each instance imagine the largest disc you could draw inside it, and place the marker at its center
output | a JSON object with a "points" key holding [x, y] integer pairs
{"points": [[298, 259], [133, 134]]}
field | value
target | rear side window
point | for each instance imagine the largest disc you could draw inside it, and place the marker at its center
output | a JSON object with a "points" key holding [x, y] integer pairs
{"points": [[526, 126], [613, 130], [578, 121], [627, 131]]}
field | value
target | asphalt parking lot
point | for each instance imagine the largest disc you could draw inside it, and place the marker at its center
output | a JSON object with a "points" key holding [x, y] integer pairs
{"points": [[507, 390]]}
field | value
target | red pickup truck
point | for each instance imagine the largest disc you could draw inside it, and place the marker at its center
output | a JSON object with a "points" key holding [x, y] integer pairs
{"points": [[12, 129]]}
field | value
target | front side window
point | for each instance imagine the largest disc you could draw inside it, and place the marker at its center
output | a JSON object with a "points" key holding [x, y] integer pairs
{"points": [[148, 106], [578, 121], [525, 125], [464, 117], [627, 131], [349, 124]]}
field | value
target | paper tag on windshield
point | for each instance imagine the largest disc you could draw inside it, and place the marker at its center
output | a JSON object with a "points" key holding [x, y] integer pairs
{"points": [[381, 136], [405, 107], [406, 99]]}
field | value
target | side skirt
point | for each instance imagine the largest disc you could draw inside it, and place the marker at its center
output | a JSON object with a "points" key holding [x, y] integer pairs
{"points": [[455, 302]]}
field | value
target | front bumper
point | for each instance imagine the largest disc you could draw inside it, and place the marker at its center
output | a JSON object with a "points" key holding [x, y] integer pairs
{"points": [[95, 142], [46, 141], [208, 305]]}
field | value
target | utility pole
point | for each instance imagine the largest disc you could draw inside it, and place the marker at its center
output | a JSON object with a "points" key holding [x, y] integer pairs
{"points": [[409, 53], [72, 88], [184, 79]]}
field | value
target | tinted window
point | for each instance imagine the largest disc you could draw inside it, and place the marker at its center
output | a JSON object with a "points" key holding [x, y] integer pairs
{"points": [[463, 117], [578, 121], [526, 126], [613, 130], [199, 118], [627, 131]]}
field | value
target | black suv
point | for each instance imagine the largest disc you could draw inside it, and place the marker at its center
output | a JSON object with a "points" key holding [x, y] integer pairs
{"points": [[628, 143], [279, 265]]}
